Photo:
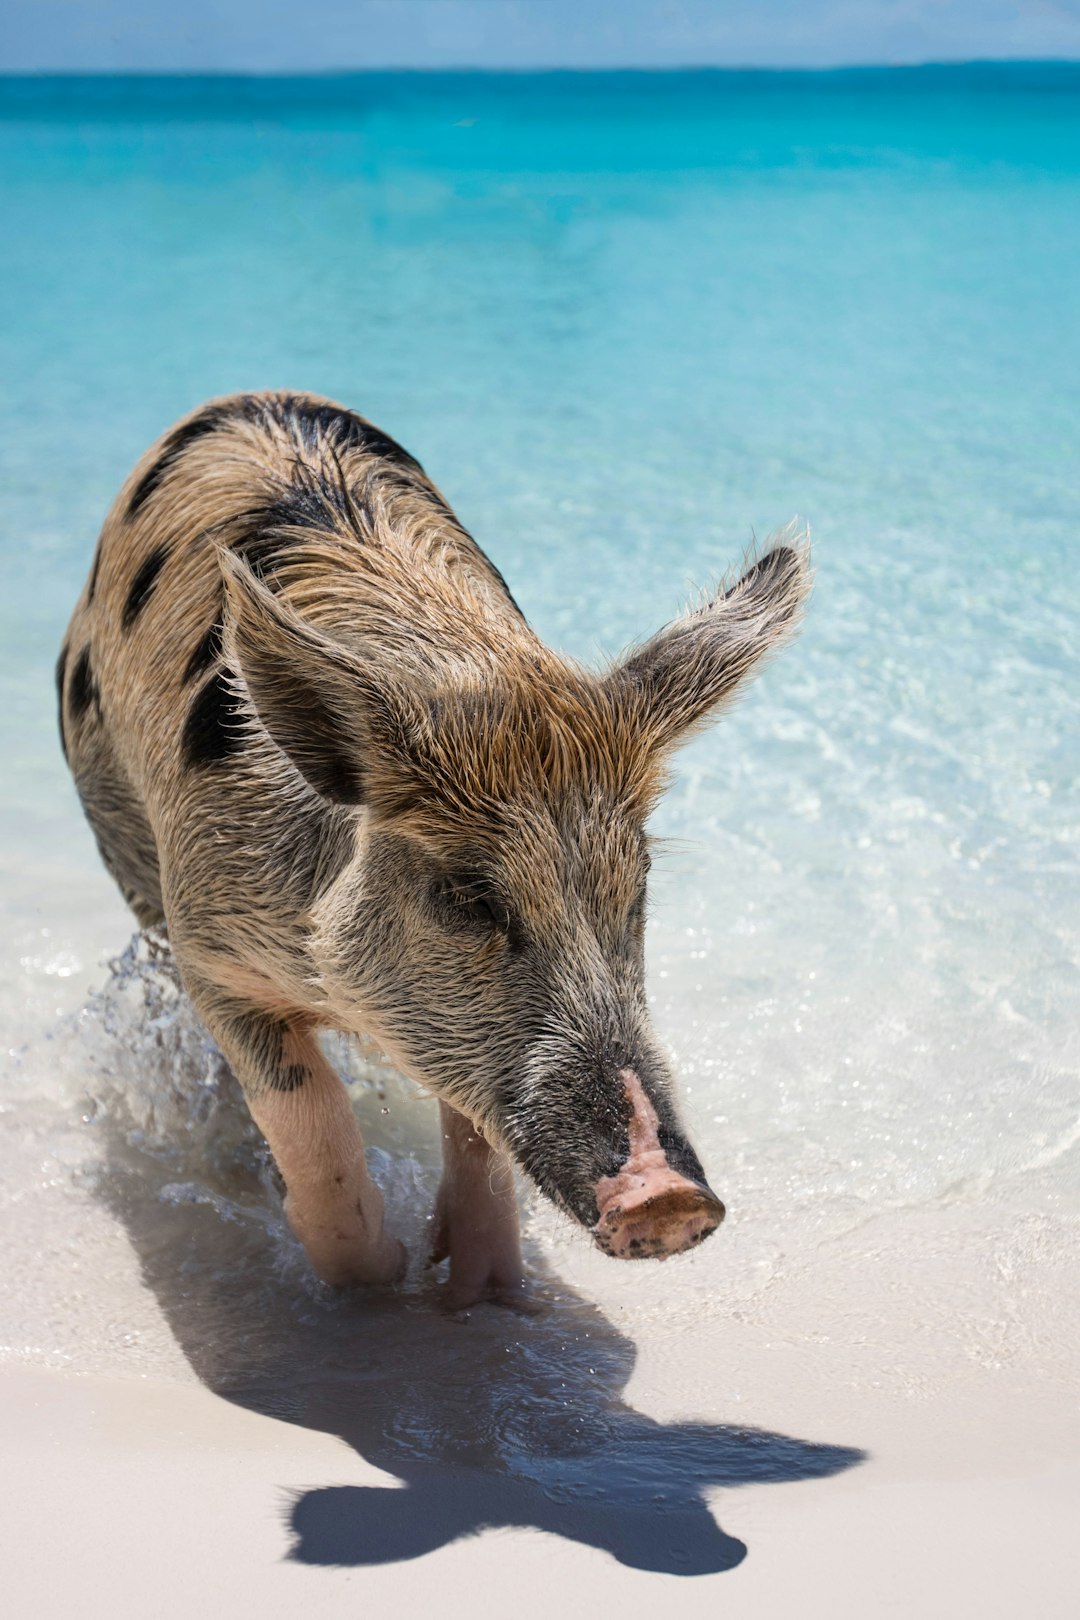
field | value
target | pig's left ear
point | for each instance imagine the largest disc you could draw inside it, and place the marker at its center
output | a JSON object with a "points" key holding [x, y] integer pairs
{"points": [[694, 665]]}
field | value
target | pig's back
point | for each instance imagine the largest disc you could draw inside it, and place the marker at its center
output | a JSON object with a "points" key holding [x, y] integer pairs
{"points": [[198, 818], [252, 472]]}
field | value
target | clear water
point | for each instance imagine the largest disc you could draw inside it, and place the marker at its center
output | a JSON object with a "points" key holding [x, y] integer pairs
{"points": [[627, 322]]}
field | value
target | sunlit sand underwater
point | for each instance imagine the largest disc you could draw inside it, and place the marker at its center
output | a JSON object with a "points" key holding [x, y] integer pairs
{"points": [[627, 324]]}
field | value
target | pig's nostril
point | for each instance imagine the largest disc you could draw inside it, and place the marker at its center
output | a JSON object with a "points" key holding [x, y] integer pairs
{"points": [[653, 1225]]}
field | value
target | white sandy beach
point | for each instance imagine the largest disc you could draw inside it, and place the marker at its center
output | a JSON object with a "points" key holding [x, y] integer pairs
{"points": [[146, 1496]]}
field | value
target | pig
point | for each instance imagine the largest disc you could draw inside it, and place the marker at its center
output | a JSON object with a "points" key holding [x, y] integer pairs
{"points": [[321, 749]]}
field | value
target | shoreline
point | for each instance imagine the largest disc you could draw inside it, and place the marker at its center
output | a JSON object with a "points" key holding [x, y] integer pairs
{"points": [[837, 1420]]}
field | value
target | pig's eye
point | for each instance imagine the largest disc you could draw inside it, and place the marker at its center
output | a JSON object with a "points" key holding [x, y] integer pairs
{"points": [[468, 898]]}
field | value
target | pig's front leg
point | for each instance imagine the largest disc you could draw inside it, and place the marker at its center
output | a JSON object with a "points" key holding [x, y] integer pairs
{"points": [[303, 1110], [476, 1218]]}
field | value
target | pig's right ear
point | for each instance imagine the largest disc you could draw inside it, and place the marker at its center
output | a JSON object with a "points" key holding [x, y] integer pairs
{"points": [[320, 703]]}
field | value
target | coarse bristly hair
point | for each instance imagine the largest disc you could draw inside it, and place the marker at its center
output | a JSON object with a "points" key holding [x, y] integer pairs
{"points": [[321, 746], [460, 711]]}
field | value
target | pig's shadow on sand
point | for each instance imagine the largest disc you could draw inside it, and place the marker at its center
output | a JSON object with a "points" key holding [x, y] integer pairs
{"points": [[486, 1422]]}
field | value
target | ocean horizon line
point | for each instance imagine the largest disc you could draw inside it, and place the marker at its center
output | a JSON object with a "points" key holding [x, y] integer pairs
{"points": [[122, 96], [981, 64]]}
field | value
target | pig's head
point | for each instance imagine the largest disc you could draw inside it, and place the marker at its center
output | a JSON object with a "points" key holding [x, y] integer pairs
{"points": [[488, 930]]}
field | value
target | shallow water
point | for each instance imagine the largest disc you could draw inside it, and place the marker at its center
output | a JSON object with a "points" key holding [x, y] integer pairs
{"points": [[626, 323]]}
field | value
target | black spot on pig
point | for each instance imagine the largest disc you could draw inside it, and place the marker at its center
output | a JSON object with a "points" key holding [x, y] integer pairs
{"points": [[82, 689], [263, 1039], [208, 420], [205, 654], [288, 1078], [272, 533], [142, 586], [213, 730], [316, 425], [61, 668]]}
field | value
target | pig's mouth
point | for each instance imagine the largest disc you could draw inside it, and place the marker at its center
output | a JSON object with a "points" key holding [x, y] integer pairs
{"points": [[647, 1209]]}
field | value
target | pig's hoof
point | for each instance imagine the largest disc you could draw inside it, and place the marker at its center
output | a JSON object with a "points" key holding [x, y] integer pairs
{"points": [[474, 1280], [477, 1231], [345, 1252], [386, 1264], [511, 1293]]}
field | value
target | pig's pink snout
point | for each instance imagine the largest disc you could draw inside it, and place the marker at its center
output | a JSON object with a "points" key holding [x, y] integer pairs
{"points": [[661, 1214], [648, 1210]]}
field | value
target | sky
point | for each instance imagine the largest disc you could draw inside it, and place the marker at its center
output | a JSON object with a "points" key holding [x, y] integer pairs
{"points": [[268, 36]]}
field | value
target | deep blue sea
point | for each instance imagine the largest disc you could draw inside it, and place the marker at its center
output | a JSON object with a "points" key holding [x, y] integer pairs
{"points": [[629, 322]]}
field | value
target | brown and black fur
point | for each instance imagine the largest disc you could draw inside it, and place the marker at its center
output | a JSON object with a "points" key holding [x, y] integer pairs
{"points": [[320, 747]]}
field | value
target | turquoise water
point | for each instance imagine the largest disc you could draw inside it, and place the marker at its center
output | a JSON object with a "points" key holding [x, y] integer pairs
{"points": [[628, 322]]}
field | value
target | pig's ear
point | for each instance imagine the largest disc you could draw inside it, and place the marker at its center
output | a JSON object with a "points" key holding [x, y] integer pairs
{"points": [[694, 665], [324, 706]]}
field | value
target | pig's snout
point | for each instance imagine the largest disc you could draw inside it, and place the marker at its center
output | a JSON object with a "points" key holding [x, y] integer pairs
{"points": [[647, 1209], [658, 1216]]}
